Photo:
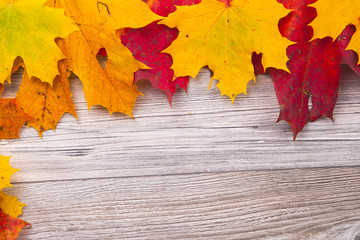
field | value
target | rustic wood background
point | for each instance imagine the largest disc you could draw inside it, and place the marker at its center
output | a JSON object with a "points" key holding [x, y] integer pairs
{"points": [[204, 169]]}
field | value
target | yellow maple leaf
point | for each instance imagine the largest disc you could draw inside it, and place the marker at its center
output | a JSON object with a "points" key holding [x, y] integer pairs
{"points": [[98, 22], [45, 103], [28, 29], [223, 35], [5, 172], [9, 204], [333, 16]]}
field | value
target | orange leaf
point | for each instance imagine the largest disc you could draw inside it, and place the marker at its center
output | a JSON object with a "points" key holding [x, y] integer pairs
{"points": [[108, 88], [45, 103], [10, 227], [111, 87], [12, 118]]}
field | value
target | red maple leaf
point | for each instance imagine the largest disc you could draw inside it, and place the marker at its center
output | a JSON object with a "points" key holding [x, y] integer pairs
{"points": [[314, 66], [146, 45], [256, 61], [165, 7], [294, 26], [294, 4], [349, 57], [315, 73]]}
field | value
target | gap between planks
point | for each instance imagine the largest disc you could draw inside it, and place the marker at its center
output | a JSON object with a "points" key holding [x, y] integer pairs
{"points": [[180, 174]]}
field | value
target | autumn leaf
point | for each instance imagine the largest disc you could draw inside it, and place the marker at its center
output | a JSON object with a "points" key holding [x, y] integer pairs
{"points": [[295, 25], [349, 57], [12, 118], [5, 172], [256, 61], [315, 73], [9, 204], [146, 45], [10, 226], [18, 62], [165, 7], [334, 16], [10, 207], [111, 87], [223, 35], [312, 75], [28, 29], [46, 103], [296, 4]]}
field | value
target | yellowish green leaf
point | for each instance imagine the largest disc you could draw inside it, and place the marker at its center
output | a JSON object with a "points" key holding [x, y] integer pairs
{"points": [[28, 29]]}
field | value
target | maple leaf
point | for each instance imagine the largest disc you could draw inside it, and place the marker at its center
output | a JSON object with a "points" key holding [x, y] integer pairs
{"points": [[165, 7], [295, 4], [28, 29], [5, 172], [146, 45], [12, 118], [8, 204], [223, 35], [348, 56], [18, 62], [294, 90], [315, 72], [333, 16], [46, 103], [111, 87], [256, 61], [295, 25], [10, 226]]}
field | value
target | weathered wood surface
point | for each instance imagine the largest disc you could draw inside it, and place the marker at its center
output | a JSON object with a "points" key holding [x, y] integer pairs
{"points": [[321, 204], [203, 132], [182, 173]]}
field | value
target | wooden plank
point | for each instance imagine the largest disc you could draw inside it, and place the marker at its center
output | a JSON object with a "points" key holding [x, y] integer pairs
{"points": [[203, 132], [320, 203]]}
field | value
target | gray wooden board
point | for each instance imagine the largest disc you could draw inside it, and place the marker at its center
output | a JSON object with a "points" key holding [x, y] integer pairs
{"points": [[202, 132], [182, 172], [318, 204]]}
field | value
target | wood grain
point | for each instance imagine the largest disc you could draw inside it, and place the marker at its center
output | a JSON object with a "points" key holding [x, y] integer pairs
{"points": [[203, 132], [280, 204], [183, 173]]}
